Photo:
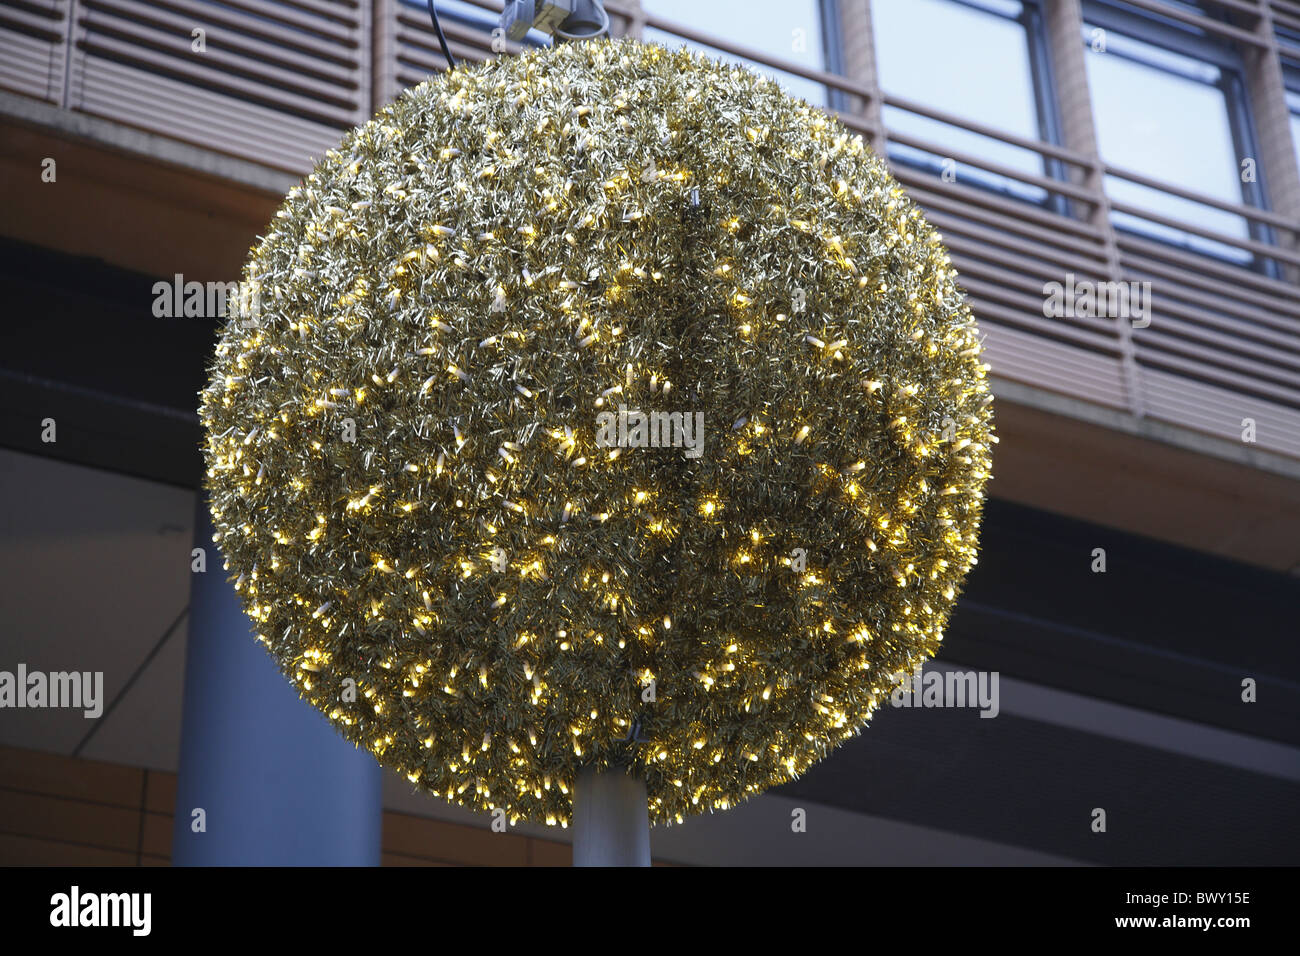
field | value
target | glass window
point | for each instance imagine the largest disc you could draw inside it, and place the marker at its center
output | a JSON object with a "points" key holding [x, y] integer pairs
{"points": [[1293, 103], [793, 30], [1289, 41], [1174, 117], [981, 61]]}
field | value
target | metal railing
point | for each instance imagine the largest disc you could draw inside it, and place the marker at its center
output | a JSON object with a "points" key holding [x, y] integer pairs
{"points": [[279, 81]]}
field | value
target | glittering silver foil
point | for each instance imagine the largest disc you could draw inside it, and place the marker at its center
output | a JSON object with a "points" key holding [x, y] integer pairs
{"points": [[402, 448]]}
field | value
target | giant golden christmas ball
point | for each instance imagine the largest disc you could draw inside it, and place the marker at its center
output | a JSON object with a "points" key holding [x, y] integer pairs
{"points": [[603, 405]]}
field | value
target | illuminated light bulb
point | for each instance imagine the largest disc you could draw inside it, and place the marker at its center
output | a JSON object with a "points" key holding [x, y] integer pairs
{"points": [[825, 209]]}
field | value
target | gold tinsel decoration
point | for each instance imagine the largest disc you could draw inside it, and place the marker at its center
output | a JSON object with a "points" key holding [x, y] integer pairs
{"points": [[405, 458]]}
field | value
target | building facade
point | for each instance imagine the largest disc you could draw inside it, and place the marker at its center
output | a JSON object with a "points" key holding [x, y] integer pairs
{"points": [[1119, 186]]}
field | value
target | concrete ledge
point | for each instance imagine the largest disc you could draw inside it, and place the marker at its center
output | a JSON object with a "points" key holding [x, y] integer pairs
{"points": [[1238, 453], [149, 146]]}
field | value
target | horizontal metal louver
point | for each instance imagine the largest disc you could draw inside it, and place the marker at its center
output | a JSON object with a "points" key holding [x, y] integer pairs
{"points": [[33, 48], [276, 81], [281, 80]]}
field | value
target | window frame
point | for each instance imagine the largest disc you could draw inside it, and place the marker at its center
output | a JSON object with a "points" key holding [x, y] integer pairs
{"points": [[1291, 88], [1185, 40], [827, 16], [1042, 81], [833, 50]]}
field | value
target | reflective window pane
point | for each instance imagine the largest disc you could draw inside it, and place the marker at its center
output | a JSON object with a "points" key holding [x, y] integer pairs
{"points": [[972, 62], [1290, 42], [1166, 116], [1293, 101], [785, 29]]}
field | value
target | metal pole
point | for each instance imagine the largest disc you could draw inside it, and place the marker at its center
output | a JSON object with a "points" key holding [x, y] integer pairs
{"points": [[611, 820]]}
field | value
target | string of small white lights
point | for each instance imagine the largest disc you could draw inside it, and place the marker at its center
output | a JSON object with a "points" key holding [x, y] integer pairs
{"points": [[403, 456]]}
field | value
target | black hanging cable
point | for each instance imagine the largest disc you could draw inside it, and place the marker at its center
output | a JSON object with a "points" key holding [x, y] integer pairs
{"points": [[442, 40]]}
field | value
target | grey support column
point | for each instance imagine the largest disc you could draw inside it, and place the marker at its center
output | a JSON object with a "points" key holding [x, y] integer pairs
{"points": [[264, 779], [611, 820]]}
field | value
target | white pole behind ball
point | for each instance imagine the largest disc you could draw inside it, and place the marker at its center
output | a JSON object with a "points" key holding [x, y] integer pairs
{"points": [[611, 820]]}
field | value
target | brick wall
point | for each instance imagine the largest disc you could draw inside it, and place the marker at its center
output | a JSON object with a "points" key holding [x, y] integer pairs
{"points": [[64, 811]]}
